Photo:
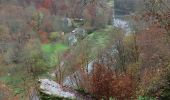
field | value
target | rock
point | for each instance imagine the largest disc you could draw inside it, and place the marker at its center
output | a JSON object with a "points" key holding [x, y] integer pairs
{"points": [[72, 40], [34, 95], [52, 88], [124, 25], [89, 67], [79, 32], [76, 35], [72, 80], [67, 22]]}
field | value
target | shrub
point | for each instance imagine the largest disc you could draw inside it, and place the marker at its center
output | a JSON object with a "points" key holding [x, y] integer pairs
{"points": [[106, 83], [146, 98], [151, 81], [165, 94]]}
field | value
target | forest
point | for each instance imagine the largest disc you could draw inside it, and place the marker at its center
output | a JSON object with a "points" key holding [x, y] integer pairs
{"points": [[84, 49]]}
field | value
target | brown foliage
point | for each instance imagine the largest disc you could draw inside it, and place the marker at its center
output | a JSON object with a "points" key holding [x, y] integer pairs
{"points": [[47, 3], [153, 46], [106, 83], [151, 81], [158, 12], [43, 37]]}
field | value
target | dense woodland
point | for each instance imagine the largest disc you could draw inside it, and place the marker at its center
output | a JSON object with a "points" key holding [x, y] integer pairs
{"points": [[91, 49]]}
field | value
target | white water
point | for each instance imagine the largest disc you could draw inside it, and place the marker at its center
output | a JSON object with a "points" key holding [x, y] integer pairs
{"points": [[122, 24]]}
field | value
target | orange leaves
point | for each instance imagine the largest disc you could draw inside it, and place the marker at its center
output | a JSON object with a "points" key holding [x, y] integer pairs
{"points": [[43, 36], [47, 4]]}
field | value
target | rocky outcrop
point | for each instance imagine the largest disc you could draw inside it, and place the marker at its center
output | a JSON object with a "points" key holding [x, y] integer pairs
{"points": [[52, 88], [76, 35]]}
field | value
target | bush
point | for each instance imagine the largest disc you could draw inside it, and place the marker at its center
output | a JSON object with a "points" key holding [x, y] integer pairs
{"points": [[106, 83], [146, 98], [165, 95], [151, 81]]}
